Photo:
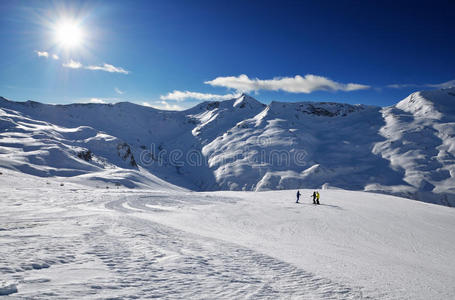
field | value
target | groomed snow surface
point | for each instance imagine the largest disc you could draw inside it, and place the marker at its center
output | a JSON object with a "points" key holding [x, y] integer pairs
{"points": [[75, 241]]}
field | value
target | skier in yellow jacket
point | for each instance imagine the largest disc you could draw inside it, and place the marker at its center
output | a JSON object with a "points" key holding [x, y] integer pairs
{"points": [[317, 197]]}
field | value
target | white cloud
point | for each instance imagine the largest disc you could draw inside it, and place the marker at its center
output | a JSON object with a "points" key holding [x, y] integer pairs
{"points": [[103, 100], [108, 68], [401, 86], [183, 95], [163, 105], [72, 64], [447, 84], [298, 84], [77, 65], [42, 53], [118, 91], [46, 54], [444, 85], [96, 100], [148, 104]]}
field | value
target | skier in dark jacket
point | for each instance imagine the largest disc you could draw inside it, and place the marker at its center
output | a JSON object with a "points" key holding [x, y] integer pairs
{"points": [[298, 197], [314, 197]]}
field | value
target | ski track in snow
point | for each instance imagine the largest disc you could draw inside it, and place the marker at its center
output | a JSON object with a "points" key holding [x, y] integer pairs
{"points": [[62, 245]]}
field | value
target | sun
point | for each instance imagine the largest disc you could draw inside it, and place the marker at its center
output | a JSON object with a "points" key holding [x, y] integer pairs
{"points": [[68, 34]]}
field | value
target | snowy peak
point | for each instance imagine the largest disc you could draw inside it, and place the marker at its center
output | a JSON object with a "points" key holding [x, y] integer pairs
{"points": [[215, 118], [246, 101], [433, 104]]}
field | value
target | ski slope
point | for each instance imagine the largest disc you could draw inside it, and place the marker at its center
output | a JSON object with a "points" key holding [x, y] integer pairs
{"points": [[62, 239]]}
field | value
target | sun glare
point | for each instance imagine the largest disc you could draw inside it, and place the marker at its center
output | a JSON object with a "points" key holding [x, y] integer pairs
{"points": [[68, 34]]}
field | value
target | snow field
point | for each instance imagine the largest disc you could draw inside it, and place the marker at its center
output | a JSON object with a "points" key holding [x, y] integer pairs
{"points": [[73, 241]]}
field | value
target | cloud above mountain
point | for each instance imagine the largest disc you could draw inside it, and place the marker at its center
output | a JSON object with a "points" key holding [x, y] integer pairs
{"points": [[97, 100], [443, 85], [164, 105], [298, 84], [184, 95]]}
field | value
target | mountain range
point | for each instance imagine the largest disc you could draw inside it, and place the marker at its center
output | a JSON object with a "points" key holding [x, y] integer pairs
{"points": [[241, 144]]}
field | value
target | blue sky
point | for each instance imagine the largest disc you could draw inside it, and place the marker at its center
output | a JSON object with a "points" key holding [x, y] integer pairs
{"points": [[174, 54]]}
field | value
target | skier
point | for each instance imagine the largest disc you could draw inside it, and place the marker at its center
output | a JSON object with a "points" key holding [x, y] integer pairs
{"points": [[298, 196], [317, 197], [314, 197]]}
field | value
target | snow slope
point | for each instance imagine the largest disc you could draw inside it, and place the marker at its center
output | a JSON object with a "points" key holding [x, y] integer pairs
{"points": [[74, 241], [241, 144]]}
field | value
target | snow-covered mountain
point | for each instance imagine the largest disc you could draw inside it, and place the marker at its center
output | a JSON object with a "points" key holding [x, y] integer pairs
{"points": [[241, 144]]}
